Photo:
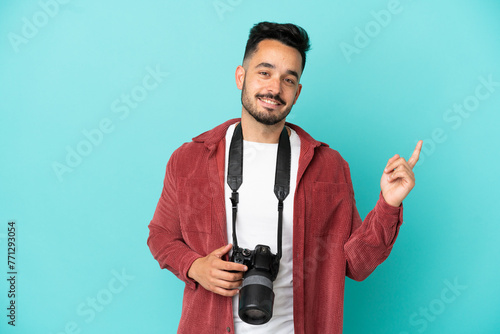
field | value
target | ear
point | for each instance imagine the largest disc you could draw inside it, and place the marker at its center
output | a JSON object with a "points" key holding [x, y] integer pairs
{"points": [[240, 77], [299, 89]]}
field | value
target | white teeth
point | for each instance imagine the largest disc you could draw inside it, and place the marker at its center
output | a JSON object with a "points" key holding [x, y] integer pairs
{"points": [[269, 101]]}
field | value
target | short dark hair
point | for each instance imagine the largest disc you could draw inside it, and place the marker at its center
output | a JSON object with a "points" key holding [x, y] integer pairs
{"points": [[286, 33]]}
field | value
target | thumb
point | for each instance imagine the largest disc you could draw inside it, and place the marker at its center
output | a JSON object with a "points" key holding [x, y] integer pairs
{"points": [[222, 251]]}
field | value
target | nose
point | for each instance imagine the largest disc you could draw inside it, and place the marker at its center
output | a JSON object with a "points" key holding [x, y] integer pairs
{"points": [[274, 86]]}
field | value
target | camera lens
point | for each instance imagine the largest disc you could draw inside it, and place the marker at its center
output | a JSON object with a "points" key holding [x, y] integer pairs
{"points": [[256, 298], [255, 315]]}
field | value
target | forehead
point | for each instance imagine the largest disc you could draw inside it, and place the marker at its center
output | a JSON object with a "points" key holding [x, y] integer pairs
{"points": [[282, 56]]}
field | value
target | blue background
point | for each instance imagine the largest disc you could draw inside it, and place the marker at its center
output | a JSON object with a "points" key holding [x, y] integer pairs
{"points": [[65, 69]]}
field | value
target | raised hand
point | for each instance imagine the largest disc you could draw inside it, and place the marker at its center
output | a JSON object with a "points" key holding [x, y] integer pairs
{"points": [[216, 275], [398, 179]]}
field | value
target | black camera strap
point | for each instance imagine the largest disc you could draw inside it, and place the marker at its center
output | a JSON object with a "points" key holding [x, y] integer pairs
{"points": [[281, 181]]}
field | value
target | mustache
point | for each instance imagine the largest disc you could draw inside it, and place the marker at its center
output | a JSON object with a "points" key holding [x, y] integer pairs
{"points": [[271, 96]]}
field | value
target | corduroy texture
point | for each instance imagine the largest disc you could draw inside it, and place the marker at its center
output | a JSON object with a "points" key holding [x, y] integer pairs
{"points": [[330, 241]]}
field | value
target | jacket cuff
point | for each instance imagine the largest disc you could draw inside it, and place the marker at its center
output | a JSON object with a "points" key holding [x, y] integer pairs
{"points": [[394, 215], [187, 263]]}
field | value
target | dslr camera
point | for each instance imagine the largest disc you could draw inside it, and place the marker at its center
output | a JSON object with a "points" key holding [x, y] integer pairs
{"points": [[256, 297]]}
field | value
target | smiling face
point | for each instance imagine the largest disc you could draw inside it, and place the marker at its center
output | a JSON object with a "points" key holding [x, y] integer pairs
{"points": [[269, 80]]}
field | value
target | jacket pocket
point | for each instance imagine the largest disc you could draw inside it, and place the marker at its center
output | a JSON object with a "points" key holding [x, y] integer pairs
{"points": [[195, 204], [331, 209]]}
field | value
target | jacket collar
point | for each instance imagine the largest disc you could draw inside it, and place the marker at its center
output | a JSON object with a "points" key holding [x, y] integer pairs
{"points": [[212, 137]]}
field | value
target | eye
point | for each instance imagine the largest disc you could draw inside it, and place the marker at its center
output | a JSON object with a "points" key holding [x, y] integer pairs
{"points": [[264, 73], [290, 81]]}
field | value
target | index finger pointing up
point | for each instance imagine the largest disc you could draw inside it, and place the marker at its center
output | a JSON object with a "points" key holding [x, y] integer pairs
{"points": [[416, 153]]}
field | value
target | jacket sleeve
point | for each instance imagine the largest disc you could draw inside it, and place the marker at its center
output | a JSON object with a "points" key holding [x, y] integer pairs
{"points": [[372, 240], [165, 236]]}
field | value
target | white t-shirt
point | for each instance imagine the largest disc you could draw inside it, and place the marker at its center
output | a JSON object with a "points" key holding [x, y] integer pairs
{"points": [[257, 223]]}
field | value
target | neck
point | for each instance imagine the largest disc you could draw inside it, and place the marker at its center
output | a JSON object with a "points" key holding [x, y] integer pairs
{"points": [[261, 133]]}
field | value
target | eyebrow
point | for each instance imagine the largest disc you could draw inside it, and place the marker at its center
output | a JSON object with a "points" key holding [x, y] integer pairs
{"points": [[267, 65]]}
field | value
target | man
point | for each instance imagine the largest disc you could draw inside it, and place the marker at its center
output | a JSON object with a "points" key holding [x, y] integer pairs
{"points": [[323, 237]]}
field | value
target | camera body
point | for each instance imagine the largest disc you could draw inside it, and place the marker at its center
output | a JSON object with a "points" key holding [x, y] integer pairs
{"points": [[260, 259], [256, 297]]}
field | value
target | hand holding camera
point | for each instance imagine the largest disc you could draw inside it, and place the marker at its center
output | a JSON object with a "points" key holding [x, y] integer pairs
{"points": [[216, 275]]}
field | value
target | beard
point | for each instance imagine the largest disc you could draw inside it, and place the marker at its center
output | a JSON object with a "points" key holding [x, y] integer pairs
{"points": [[251, 107]]}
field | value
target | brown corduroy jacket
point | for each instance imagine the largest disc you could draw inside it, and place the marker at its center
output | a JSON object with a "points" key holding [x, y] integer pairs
{"points": [[330, 241]]}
